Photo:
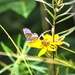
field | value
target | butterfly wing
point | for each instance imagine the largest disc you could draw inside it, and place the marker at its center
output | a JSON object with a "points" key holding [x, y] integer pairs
{"points": [[31, 37], [27, 33], [34, 37]]}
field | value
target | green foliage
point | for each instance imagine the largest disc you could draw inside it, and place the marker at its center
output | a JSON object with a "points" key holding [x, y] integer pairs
{"points": [[21, 63], [22, 7], [8, 51], [6, 68]]}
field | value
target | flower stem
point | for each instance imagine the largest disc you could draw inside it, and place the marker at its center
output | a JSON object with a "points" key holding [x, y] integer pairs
{"points": [[53, 33]]}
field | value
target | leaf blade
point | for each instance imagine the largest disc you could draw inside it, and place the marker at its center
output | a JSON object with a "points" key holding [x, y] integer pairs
{"points": [[71, 15]]}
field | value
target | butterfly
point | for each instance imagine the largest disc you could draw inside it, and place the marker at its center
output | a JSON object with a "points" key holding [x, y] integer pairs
{"points": [[31, 37]]}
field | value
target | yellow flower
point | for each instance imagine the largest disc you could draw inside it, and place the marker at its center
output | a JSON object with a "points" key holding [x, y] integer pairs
{"points": [[36, 44], [47, 44]]}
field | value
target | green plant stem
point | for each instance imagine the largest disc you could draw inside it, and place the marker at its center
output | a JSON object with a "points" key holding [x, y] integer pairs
{"points": [[16, 48], [52, 66], [10, 38], [53, 33]]}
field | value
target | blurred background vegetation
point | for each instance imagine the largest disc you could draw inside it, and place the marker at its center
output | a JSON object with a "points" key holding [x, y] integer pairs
{"points": [[18, 14]]}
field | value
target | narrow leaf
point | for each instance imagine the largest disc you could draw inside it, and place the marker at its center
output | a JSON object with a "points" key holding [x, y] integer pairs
{"points": [[65, 18], [6, 68], [48, 21], [38, 68], [71, 62], [50, 13], [60, 8], [15, 69], [63, 57], [8, 51], [67, 32], [45, 3], [67, 49], [68, 3], [65, 63], [53, 3], [65, 13], [25, 45], [19, 40], [67, 71], [26, 48]]}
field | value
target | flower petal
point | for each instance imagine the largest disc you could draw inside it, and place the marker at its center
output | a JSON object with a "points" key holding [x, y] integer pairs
{"points": [[42, 51], [56, 36], [52, 47], [47, 36], [36, 44], [58, 43]]}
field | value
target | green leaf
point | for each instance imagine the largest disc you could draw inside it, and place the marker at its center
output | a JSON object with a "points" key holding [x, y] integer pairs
{"points": [[15, 69], [5, 68], [25, 45], [50, 13], [68, 3], [53, 3], [71, 15], [38, 68], [3, 5], [71, 62], [67, 71], [60, 8], [22, 7], [48, 21], [63, 57], [8, 51], [19, 40], [26, 48], [65, 13], [22, 69], [67, 32], [42, 1]]}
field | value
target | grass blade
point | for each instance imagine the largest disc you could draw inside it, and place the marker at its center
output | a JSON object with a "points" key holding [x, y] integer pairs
{"points": [[25, 48], [5, 68], [8, 51], [38, 68], [65, 18], [67, 32], [45, 3], [19, 40], [68, 3], [65, 13]]}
